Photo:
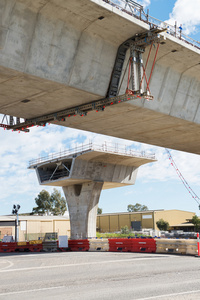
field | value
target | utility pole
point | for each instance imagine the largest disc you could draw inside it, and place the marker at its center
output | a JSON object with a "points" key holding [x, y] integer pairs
{"points": [[15, 212]]}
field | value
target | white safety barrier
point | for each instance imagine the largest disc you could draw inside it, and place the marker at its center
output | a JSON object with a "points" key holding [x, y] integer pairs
{"points": [[191, 247], [99, 245], [179, 246]]}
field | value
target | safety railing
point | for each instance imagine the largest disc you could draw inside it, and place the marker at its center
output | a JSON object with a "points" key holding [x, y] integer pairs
{"points": [[130, 7], [135, 10], [173, 30], [105, 147]]}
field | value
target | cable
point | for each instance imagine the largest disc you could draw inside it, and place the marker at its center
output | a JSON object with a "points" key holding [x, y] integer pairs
{"points": [[185, 183]]}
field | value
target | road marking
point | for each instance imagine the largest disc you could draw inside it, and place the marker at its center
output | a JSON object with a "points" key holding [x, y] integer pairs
{"points": [[46, 255], [169, 295], [10, 264], [81, 264], [35, 290]]}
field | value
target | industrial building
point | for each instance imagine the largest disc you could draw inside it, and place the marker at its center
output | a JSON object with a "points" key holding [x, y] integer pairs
{"points": [[143, 219], [35, 227]]}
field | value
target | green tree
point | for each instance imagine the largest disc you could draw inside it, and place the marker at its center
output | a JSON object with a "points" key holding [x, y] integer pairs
{"points": [[136, 207], [58, 203], [99, 211], [50, 204], [162, 225], [43, 203], [196, 222]]}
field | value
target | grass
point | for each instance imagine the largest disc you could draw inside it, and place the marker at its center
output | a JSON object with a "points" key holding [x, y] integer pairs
{"points": [[116, 235]]}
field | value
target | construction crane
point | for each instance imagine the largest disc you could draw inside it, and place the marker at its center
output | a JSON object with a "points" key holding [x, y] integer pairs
{"points": [[185, 183]]}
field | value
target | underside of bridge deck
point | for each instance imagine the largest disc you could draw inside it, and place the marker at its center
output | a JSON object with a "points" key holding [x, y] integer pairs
{"points": [[55, 55]]}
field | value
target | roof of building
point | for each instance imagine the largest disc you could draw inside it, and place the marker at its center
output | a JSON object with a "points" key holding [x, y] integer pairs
{"points": [[144, 212], [66, 216], [34, 218], [183, 225], [131, 212]]}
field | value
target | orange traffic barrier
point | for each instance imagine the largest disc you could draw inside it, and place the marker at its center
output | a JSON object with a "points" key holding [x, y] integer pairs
{"points": [[35, 247], [8, 247], [147, 245], [78, 245], [20, 247], [124, 245]]}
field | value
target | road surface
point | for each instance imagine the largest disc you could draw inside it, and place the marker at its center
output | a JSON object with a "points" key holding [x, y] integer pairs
{"points": [[95, 275]]}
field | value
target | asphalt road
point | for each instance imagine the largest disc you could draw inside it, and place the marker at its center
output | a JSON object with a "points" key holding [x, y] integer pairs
{"points": [[94, 275]]}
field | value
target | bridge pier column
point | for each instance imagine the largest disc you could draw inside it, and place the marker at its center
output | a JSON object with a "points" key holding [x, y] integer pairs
{"points": [[82, 200]]}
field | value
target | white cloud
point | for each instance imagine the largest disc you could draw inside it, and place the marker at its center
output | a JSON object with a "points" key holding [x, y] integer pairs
{"points": [[145, 3], [186, 12], [162, 170], [20, 185]]}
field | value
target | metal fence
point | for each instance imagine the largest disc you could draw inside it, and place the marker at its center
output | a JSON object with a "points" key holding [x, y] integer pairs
{"points": [[34, 236], [135, 10], [130, 7], [105, 147]]}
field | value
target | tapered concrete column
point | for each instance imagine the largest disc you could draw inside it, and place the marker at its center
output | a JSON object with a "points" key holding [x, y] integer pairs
{"points": [[82, 175], [82, 200]]}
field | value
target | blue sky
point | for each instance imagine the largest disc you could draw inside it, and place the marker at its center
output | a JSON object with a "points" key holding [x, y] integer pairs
{"points": [[185, 12], [157, 184], [160, 9]]}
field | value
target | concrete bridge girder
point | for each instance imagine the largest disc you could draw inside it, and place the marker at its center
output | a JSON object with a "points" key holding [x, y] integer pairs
{"points": [[58, 54], [53, 41]]}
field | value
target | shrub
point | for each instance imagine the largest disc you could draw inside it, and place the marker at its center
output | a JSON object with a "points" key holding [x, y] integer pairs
{"points": [[162, 225], [125, 230]]}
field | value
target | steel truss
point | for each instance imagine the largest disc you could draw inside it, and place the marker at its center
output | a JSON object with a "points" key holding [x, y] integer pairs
{"points": [[8, 122], [56, 174]]}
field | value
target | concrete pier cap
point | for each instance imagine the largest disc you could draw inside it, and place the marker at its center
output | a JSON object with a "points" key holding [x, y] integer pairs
{"points": [[83, 172]]}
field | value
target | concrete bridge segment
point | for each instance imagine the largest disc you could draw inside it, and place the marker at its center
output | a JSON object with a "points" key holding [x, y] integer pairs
{"points": [[83, 174], [58, 54]]}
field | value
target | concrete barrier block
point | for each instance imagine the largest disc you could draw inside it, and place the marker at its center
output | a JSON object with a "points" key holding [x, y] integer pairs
{"points": [[101, 245]]}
